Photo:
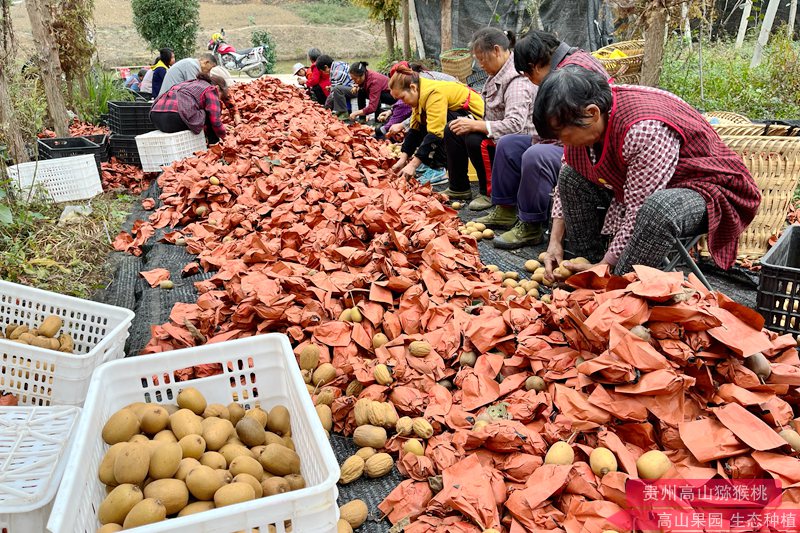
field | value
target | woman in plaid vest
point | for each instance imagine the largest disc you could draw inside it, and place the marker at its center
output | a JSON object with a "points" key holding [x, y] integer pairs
{"points": [[650, 159]]}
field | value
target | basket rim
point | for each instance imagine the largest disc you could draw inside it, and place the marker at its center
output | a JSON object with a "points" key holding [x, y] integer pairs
{"points": [[765, 259]]}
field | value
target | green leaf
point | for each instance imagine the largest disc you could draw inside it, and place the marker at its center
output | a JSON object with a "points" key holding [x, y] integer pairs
{"points": [[5, 215]]}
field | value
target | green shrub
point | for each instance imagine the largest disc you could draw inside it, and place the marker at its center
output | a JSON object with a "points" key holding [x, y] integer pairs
{"points": [[265, 39], [168, 24], [29, 101], [102, 87], [770, 91]]}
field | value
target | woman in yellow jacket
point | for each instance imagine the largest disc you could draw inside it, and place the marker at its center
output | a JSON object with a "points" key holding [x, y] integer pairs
{"points": [[434, 104]]}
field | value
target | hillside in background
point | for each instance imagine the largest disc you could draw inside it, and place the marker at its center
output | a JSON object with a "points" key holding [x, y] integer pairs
{"points": [[342, 31]]}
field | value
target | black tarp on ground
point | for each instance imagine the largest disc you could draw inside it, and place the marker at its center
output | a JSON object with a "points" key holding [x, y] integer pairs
{"points": [[585, 24], [153, 306]]}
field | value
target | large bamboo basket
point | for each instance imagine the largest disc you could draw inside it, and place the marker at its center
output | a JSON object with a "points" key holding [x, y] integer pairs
{"points": [[623, 66], [457, 62], [769, 130], [774, 163], [728, 117]]}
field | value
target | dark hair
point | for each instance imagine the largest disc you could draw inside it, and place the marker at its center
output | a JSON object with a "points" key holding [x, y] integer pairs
{"points": [[209, 57], [534, 50], [324, 61], [485, 39], [403, 77], [142, 72], [216, 81], [313, 54], [359, 68], [564, 96], [165, 54]]}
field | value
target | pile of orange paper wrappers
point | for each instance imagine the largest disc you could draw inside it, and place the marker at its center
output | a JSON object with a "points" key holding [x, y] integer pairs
{"points": [[115, 174], [307, 220]]}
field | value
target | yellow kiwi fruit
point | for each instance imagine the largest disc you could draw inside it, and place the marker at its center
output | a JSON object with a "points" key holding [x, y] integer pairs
{"points": [[147, 511], [192, 399]]}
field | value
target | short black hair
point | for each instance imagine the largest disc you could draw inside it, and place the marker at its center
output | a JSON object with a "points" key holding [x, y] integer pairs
{"points": [[534, 50], [564, 96], [485, 39], [324, 61], [313, 54], [209, 57]]}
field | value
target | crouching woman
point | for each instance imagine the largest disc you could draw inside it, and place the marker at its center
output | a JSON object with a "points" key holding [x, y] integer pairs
{"points": [[652, 160], [433, 105]]}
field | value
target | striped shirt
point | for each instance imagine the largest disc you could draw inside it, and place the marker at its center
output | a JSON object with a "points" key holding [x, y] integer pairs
{"points": [[340, 74], [508, 97]]}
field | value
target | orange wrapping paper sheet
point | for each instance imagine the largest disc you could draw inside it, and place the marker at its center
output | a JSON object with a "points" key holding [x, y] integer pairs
{"points": [[307, 221]]}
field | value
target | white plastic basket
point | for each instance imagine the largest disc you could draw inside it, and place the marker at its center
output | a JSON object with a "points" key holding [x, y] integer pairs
{"points": [[157, 149], [44, 377], [33, 450], [256, 370], [64, 179]]}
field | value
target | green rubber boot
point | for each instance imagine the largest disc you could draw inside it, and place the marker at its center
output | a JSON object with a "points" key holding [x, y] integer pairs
{"points": [[501, 217], [522, 234]]}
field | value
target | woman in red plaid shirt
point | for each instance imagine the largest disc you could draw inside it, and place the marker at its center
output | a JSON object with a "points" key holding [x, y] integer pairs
{"points": [[193, 105]]}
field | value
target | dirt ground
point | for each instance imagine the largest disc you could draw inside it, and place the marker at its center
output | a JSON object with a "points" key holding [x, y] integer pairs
{"points": [[119, 44]]}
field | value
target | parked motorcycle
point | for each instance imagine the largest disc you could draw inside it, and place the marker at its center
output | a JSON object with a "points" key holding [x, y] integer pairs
{"points": [[251, 61]]}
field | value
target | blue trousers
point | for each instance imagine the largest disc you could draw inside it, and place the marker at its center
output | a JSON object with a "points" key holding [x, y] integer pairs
{"points": [[524, 175]]}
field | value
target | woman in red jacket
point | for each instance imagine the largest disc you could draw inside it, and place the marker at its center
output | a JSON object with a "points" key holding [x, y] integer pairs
{"points": [[652, 160]]}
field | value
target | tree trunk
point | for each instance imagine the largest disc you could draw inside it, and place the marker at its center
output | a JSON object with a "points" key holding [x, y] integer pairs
{"points": [[687, 27], [8, 119], [47, 54], [748, 5], [406, 32], [763, 36], [387, 28], [654, 36], [414, 23], [447, 25], [792, 18]]}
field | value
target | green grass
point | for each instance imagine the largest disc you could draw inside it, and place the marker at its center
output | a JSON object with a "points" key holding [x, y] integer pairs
{"points": [[36, 250], [328, 13], [770, 91]]}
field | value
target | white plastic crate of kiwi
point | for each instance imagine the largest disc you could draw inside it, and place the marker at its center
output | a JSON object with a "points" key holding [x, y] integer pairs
{"points": [[168, 461], [47, 335]]}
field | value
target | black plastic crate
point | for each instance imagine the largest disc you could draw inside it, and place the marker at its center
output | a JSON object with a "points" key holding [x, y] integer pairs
{"points": [[130, 118], [101, 140], [778, 298], [54, 148], [124, 148]]}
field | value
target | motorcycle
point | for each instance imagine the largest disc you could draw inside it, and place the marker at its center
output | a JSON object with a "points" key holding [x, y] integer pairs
{"points": [[251, 61]]}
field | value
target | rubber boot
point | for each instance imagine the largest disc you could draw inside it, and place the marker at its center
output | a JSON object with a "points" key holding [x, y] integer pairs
{"points": [[480, 203], [522, 234], [501, 217]]}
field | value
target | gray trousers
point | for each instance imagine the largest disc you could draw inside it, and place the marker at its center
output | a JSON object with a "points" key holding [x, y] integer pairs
{"points": [[666, 214], [338, 98]]}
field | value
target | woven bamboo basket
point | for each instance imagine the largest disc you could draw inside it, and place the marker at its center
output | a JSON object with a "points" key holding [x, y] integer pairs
{"points": [[629, 79], [623, 66], [732, 118], [457, 62], [771, 130], [774, 163]]}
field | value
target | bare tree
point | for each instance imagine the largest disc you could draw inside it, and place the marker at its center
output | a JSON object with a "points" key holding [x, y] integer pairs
{"points": [[8, 116], [406, 31], [655, 34], [447, 25], [49, 63]]}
